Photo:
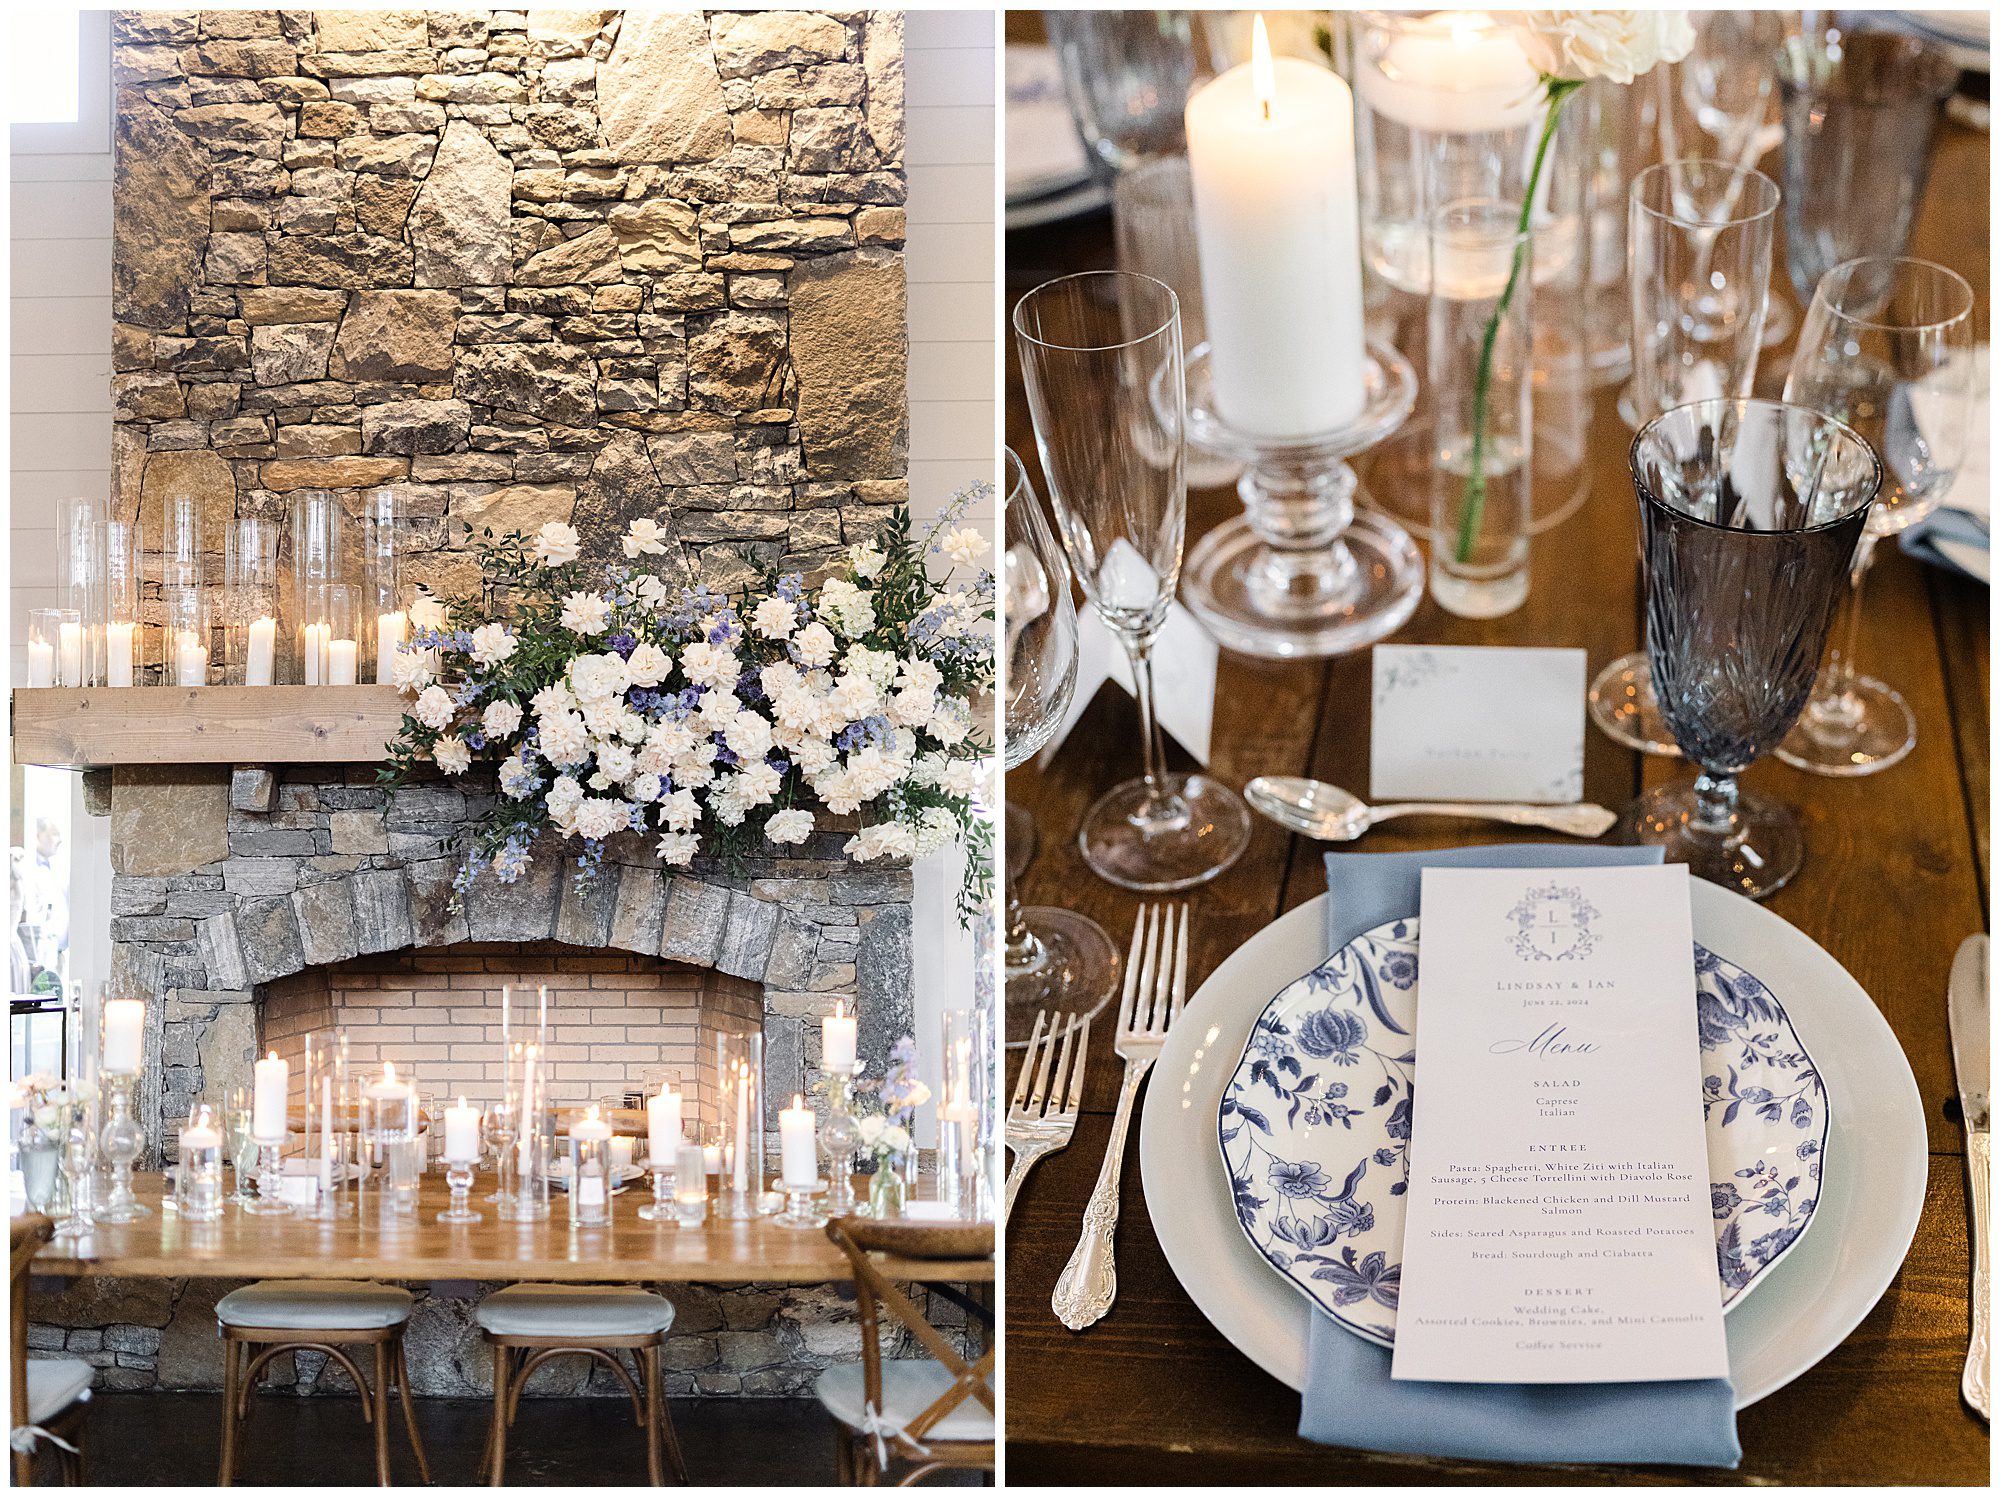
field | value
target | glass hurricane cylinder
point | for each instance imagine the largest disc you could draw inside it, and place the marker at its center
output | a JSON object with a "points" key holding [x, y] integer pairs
{"points": [[329, 638], [250, 602], [385, 618], [690, 1186], [55, 643], [81, 583], [740, 1104], [961, 1101], [187, 637], [198, 1176], [1481, 347], [392, 1103], [124, 655], [591, 1177]]}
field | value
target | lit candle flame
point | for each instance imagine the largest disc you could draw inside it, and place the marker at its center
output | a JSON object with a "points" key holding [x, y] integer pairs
{"points": [[1263, 77], [798, 1102], [590, 1113], [388, 1070]]}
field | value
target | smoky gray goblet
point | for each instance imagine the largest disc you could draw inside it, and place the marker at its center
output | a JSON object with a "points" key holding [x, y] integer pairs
{"points": [[1749, 515]]}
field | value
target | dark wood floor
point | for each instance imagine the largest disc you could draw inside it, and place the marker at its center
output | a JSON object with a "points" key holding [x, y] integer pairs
{"points": [[170, 1439]]}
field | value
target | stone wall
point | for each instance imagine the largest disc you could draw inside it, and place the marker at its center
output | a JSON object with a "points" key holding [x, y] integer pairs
{"points": [[523, 265]]}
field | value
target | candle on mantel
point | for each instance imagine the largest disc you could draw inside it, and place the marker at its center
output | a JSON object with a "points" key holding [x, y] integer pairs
{"points": [[1271, 152], [119, 637], [270, 1099], [461, 1133], [259, 666], [663, 1126], [1457, 73], [341, 657], [316, 636], [391, 629], [190, 659], [836, 1039], [798, 1145], [124, 1032], [41, 663], [71, 638]]}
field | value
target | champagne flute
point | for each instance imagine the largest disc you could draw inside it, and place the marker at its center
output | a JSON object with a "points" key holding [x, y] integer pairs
{"points": [[1102, 361], [1887, 348], [1056, 959]]}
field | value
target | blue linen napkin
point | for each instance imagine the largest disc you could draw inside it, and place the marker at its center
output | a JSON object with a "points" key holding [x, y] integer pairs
{"points": [[1955, 539], [1350, 1399]]}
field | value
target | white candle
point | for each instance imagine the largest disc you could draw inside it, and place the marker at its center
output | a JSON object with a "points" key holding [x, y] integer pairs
{"points": [[836, 1039], [798, 1144], [259, 667], [711, 1159], [315, 652], [740, 1170], [1460, 75], [270, 1104], [71, 636], [118, 640], [621, 1153], [589, 1181], [663, 1125], [190, 659], [391, 629], [200, 1136], [1271, 150], [124, 1031], [41, 663], [461, 1133], [389, 1088], [340, 662]]}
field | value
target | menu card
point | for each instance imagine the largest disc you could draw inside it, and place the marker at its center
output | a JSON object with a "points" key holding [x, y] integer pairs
{"points": [[1558, 1227]]}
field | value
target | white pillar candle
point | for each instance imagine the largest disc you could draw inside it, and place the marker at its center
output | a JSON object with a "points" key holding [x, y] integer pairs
{"points": [[1463, 75], [798, 1144], [41, 663], [461, 1133], [270, 1104], [836, 1039], [711, 1159], [124, 1032], [621, 1153], [663, 1125], [190, 659], [390, 631], [71, 637], [118, 640], [315, 652], [1271, 149], [341, 656], [258, 667]]}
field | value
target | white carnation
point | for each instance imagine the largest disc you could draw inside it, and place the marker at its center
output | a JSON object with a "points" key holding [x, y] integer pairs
{"points": [[492, 644], [585, 613], [501, 719], [648, 665], [788, 828], [964, 546], [644, 789], [775, 618], [679, 811], [814, 645], [866, 561], [551, 699], [885, 839], [615, 760], [602, 816], [748, 736], [453, 757], [598, 678], [849, 609], [710, 665], [1615, 44], [433, 708]]}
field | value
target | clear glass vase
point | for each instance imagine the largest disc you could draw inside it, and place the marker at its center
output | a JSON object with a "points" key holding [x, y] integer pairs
{"points": [[887, 1190]]}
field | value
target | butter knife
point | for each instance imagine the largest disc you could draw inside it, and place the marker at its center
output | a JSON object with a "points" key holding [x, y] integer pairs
{"points": [[1972, 1057]]}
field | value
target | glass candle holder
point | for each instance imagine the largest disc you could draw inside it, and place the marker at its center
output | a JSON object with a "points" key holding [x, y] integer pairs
{"points": [[80, 580], [122, 1143], [740, 1103], [690, 1186], [186, 637], [1481, 356], [123, 655], [392, 1104], [198, 1177], [385, 619], [961, 1097], [590, 1171], [319, 549], [250, 602], [50, 631], [329, 635], [528, 1091]]}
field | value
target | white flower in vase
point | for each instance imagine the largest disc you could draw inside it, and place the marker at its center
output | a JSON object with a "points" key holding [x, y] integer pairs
{"points": [[872, 1128], [1620, 45], [556, 544]]}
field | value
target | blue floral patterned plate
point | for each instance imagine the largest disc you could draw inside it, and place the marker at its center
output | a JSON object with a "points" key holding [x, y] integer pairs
{"points": [[1315, 1126]]}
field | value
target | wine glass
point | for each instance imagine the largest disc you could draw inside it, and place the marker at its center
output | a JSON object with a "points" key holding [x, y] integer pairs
{"points": [[1698, 244], [1127, 75], [1101, 358], [1887, 347], [1749, 515], [1056, 958]]}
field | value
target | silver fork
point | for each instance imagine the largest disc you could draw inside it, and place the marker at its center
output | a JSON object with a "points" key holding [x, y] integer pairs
{"points": [[1155, 988], [1047, 1097]]}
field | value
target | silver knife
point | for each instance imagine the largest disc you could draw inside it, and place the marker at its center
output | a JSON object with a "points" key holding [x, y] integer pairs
{"points": [[1972, 1058]]}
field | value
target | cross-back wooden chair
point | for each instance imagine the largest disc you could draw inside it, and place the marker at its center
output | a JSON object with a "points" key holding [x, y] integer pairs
{"points": [[50, 1395], [924, 1414]]}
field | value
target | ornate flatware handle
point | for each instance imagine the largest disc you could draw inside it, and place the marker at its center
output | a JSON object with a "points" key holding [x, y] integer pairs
{"points": [[1577, 821], [1979, 1165], [1089, 1282]]}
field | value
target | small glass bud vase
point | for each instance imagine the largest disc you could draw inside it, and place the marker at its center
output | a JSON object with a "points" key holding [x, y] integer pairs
{"points": [[123, 632], [590, 1177], [198, 1180], [740, 1101], [1481, 357], [385, 619], [690, 1186], [55, 647], [250, 603]]}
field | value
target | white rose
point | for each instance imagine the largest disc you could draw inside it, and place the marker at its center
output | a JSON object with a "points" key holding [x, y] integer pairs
{"points": [[562, 739], [556, 544], [748, 736], [1615, 44], [710, 665], [679, 811], [552, 699], [565, 795], [814, 646], [585, 613], [871, 1129], [501, 719], [866, 561], [644, 537], [644, 789], [788, 828], [453, 757], [651, 592], [492, 644], [615, 760], [649, 665], [964, 546], [415, 669], [426, 612], [434, 708], [775, 618]]}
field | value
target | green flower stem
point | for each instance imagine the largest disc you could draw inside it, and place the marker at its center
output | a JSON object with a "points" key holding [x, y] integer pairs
{"points": [[1473, 503]]}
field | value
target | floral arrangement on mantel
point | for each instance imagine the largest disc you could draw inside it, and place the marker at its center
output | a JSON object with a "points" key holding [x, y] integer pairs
{"points": [[617, 702]]}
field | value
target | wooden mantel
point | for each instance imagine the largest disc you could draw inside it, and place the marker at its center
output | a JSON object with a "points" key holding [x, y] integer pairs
{"points": [[92, 726]]}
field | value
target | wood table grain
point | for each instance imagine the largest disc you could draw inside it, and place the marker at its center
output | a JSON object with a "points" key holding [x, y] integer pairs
{"points": [[1895, 876], [361, 1246]]}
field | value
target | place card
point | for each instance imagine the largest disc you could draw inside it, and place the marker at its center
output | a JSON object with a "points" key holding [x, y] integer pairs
{"points": [[1558, 1225], [1185, 658], [1477, 722]]}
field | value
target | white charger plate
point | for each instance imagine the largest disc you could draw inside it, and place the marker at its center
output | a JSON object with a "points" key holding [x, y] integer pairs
{"points": [[1870, 1198]]}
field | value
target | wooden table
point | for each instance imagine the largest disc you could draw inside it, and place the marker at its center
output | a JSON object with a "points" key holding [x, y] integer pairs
{"points": [[1895, 877], [360, 1247]]}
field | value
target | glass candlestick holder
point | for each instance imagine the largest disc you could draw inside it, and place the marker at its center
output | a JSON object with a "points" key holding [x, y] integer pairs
{"points": [[690, 1186], [1301, 572], [800, 1212], [122, 1142], [499, 1130], [839, 1137], [269, 1199], [665, 1183], [458, 1175], [198, 1177]]}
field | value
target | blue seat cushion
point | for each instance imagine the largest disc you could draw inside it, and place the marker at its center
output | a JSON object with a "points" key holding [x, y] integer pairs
{"points": [[578, 1310], [908, 1388], [53, 1385], [314, 1305]]}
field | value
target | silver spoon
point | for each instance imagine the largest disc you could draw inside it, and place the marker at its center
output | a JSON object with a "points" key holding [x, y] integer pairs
{"points": [[1316, 809]]}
